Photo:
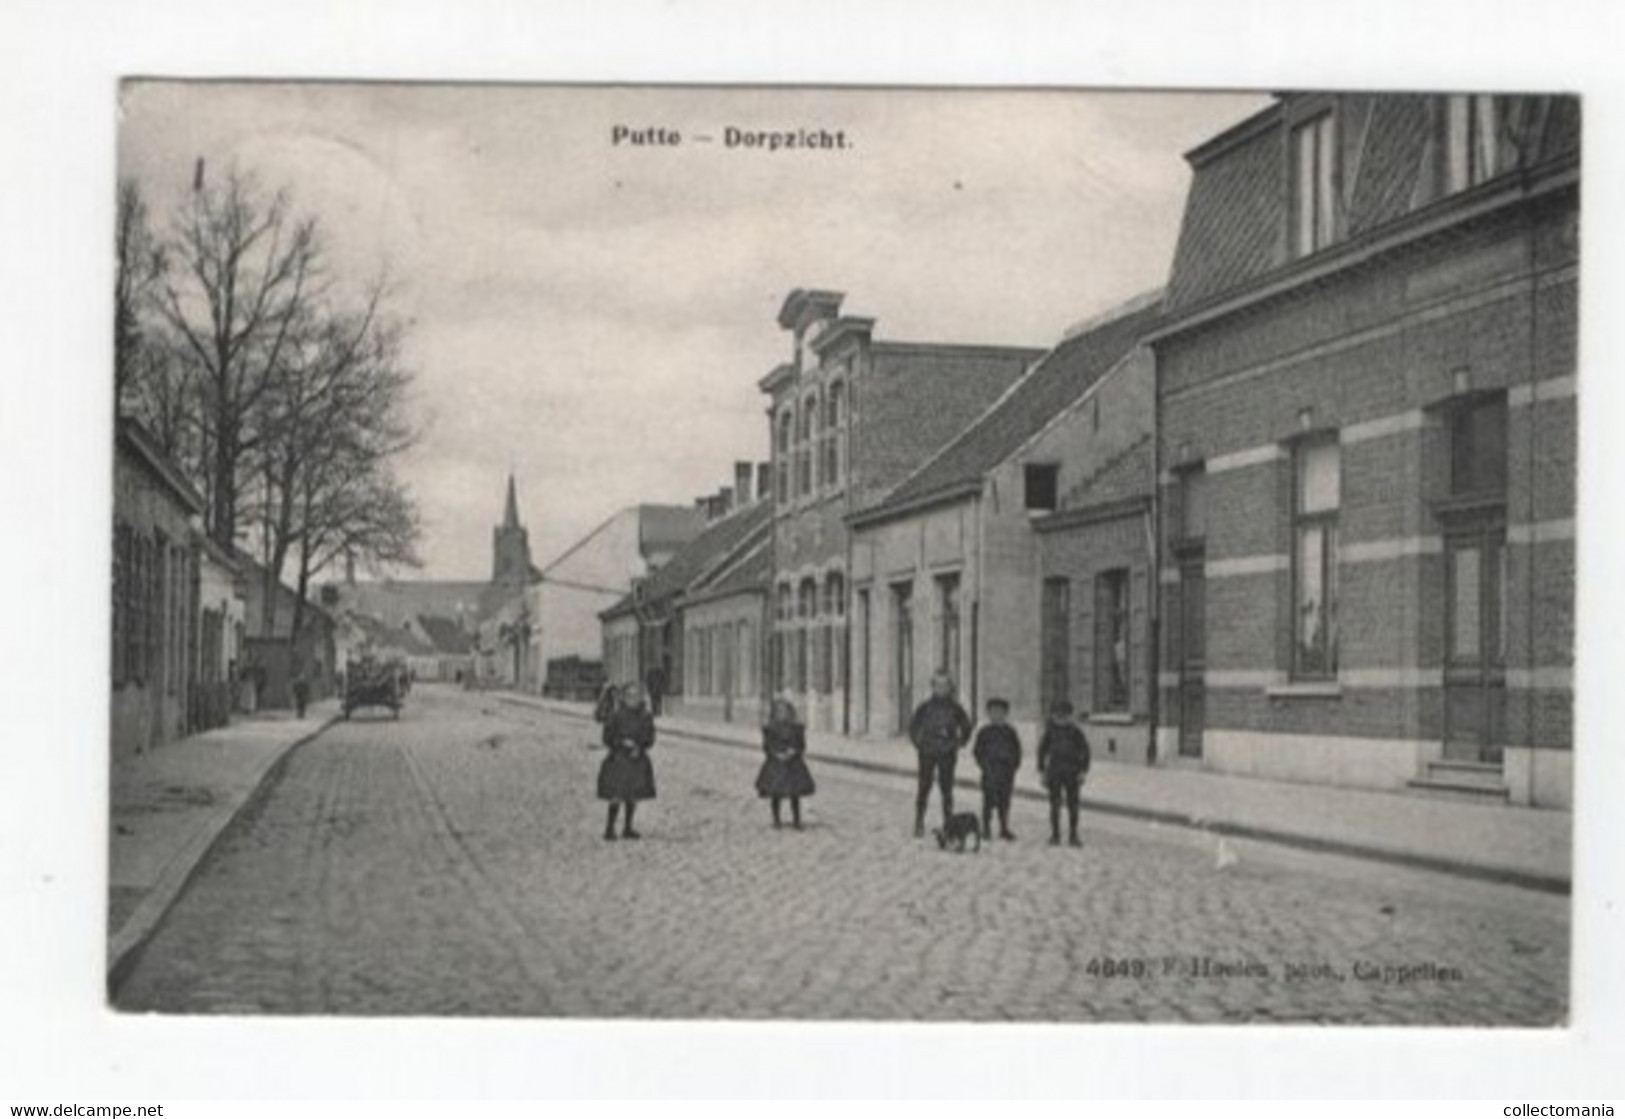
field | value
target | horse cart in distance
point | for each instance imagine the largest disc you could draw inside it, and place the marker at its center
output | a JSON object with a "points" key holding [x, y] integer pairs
{"points": [[371, 683]]}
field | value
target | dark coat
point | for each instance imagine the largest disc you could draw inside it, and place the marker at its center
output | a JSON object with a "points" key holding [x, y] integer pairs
{"points": [[627, 773], [939, 726], [1063, 753], [998, 753], [784, 773]]}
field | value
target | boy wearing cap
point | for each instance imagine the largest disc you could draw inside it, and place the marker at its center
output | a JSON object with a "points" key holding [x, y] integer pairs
{"points": [[998, 754], [1063, 759]]}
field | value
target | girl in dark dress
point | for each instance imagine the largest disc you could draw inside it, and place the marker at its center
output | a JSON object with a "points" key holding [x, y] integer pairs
{"points": [[627, 776], [784, 772]]}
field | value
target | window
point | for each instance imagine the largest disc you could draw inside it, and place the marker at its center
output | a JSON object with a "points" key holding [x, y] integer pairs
{"points": [[805, 438], [833, 665], [1312, 163], [1316, 494], [781, 472], [1112, 640], [834, 434], [1470, 143], [1478, 448], [1055, 642], [948, 624], [1192, 515], [807, 610], [1042, 486], [121, 601]]}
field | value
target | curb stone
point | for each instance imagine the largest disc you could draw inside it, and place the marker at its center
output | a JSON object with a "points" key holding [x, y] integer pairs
{"points": [[1483, 872], [124, 947]]}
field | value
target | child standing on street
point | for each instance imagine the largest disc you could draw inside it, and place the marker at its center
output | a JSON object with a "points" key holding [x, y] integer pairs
{"points": [[1063, 759], [627, 776], [998, 754], [784, 773]]}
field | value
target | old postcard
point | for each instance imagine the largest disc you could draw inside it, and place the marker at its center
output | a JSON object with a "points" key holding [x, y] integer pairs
{"points": [[906, 554]]}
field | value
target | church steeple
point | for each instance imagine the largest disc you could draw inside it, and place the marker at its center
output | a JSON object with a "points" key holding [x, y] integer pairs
{"points": [[510, 517], [510, 545]]}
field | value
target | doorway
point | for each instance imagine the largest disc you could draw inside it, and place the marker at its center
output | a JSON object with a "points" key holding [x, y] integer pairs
{"points": [[1192, 659], [1475, 643], [903, 668]]}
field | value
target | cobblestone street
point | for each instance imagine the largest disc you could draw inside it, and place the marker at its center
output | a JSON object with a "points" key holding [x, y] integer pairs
{"points": [[451, 863]]}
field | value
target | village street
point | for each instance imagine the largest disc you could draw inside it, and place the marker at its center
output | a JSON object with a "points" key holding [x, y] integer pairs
{"points": [[452, 863]]}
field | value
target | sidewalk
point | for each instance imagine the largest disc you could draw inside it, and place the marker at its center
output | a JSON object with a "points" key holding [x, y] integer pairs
{"points": [[171, 803], [1526, 847]]}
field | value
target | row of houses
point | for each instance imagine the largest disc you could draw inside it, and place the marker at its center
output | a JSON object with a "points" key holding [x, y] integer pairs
{"points": [[1306, 513], [198, 631]]}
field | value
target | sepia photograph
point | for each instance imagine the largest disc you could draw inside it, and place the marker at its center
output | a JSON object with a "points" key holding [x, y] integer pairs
{"points": [[1052, 555]]}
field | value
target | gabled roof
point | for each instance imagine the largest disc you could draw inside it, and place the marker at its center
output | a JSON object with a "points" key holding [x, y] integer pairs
{"points": [[701, 556], [131, 436], [1125, 476], [751, 572], [391, 637], [448, 637], [662, 528], [1058, 381], [1236, 213]]}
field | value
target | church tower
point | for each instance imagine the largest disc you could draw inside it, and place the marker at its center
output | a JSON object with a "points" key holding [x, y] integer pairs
{"points": [[510, 546]]}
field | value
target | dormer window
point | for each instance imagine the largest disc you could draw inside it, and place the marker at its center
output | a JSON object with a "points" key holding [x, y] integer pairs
{"points": [[1042, 486], [1469, 140], [1313, 152]]}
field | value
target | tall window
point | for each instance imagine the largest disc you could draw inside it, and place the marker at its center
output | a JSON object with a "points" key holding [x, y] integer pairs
{"points": [[1192, 514], [1055, 642], [781, 472], [805, 437], [781, 649], [834, 406], [1478, 448], [121, 601], [807, 610], [1312, 164], [1316, 487], [1111, 640], [1470, 140], [948, 624], [834, 645]]}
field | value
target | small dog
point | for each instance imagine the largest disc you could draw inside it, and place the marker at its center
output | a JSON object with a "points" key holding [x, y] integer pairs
{"points": [[960, 827]]}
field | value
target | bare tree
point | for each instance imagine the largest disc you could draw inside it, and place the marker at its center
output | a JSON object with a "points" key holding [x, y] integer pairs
{"points": [[139, 264], [333, 423], [245, 273]]}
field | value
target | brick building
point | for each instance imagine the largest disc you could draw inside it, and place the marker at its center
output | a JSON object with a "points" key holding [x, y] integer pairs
{"points": [[1366, 446], [850, 417], [156, 529], [709, 653], [946, 569]]}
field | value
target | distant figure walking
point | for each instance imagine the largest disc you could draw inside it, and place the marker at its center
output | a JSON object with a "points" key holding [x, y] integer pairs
{"points": [[784, 773], [939, 728], [655, 681], [301, 692], [998, 755], [1063, 759], [627, 776], [608, 700]]}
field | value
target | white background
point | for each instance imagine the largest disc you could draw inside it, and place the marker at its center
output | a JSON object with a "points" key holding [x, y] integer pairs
{"points": [[59, 63]]}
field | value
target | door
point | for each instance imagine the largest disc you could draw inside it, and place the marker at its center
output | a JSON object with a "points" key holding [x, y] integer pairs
{"points": [[862, 653], [1055, 643], [1192, 655], [1475, 640], [903, 670]]}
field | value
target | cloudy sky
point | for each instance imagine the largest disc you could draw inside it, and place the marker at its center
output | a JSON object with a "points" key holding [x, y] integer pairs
{"points": [[595, 316]]}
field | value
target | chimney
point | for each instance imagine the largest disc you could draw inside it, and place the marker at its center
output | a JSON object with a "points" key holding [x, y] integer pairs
{"points": [[764, 481], [725, 501], [742, 483], [703, 504]]}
